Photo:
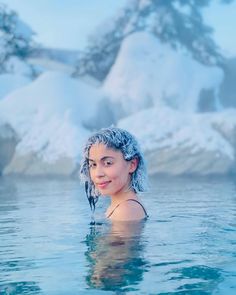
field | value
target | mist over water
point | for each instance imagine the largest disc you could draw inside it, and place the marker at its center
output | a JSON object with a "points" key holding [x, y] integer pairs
{"points": [[187, 246]]}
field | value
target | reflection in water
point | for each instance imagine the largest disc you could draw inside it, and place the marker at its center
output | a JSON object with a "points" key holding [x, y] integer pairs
{"points": [[19, 288], [115, 256], [198, 279], [10, 262]]}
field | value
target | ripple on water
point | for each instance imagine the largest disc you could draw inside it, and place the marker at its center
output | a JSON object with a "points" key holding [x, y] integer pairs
{"points": [[187, 246]]}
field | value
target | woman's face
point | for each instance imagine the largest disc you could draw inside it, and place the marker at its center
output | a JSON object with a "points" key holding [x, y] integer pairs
{"points": [[109, 171]]}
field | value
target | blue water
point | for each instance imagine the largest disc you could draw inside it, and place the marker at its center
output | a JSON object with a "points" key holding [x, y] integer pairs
{"points": [[188, 245]]}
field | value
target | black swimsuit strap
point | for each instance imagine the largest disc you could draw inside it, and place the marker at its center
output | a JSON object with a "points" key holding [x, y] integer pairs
{"points": [[126, 201]]}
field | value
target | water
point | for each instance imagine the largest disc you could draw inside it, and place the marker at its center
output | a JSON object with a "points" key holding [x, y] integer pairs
{"points": [[188, 245]]}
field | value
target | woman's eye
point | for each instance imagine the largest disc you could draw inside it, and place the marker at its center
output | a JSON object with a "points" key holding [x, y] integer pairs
{"points": [[92, 165], [108, 163]]}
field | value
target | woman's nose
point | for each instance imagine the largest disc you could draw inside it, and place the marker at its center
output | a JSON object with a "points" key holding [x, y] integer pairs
{"points": [[99, 171]]}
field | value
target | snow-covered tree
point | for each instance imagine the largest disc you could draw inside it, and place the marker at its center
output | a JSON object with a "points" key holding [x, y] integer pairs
{"points": [[177, 22], [15, 39]]}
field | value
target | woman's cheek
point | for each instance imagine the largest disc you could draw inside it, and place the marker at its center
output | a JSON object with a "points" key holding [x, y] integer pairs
{"points": [[91, 173]]}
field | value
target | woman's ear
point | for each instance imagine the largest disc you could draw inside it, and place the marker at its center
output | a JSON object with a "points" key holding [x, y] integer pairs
{"points": [[133, 165]]}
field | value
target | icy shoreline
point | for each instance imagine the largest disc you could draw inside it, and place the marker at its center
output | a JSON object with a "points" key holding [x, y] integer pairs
{"points": [[151, 90]]}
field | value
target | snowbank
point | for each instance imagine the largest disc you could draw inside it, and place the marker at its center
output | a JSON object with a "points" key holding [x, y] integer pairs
{"points": [[49, 116], [8, 141], [149, 73], [155, 87], [157, 91], [177, 143]]}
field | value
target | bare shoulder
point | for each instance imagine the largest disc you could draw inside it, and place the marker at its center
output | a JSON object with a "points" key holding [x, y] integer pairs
{"points": [[128, 211]]}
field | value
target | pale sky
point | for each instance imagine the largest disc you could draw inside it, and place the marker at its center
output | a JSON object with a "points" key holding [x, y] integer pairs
{"points": [[223, 20], [63, 23], [67, 23]]}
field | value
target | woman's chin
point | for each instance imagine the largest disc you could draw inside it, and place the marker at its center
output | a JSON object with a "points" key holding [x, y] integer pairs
{"points": [[103, 194]]}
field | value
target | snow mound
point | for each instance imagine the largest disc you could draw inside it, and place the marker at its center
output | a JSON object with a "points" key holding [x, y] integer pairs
{"points": [[150, 73], [49, 115], [177, 143]]}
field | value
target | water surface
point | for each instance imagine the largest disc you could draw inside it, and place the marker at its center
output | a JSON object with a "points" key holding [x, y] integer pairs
{"points": [[187, 246]]}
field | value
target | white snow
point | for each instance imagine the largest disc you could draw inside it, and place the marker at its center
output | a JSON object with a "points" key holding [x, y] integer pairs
{"points": [[48, 115], [157, 87], [167, 128], [149, 73]]}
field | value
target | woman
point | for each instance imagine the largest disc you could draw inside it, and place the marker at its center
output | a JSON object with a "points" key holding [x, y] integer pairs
{"points": [[113, 166]]}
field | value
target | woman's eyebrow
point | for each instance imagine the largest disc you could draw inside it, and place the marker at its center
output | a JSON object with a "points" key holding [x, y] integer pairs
{"points": [[102, 159], [107, 157], [91, 160]]}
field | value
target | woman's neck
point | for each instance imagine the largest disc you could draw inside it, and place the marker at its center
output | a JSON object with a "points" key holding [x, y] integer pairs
{"points": [[117, 199]]}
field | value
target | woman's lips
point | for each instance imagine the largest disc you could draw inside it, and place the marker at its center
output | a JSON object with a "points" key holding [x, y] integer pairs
{"points": [[103, 185]]}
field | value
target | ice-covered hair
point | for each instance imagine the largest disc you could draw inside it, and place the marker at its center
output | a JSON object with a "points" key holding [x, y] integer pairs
{"points": [[119, 140]]}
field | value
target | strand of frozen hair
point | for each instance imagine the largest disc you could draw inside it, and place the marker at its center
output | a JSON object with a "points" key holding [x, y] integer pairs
{"points": [[117, 139]]}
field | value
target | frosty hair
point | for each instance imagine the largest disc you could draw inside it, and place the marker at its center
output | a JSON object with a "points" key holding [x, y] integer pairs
{"points": [[118, 140]]}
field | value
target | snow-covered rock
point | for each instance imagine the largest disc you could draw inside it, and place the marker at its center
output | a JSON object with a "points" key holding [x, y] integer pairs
{"points": [[149, 73], [49, 115], [156, 88], [225, 123], [176, 143], [8, 141]]}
